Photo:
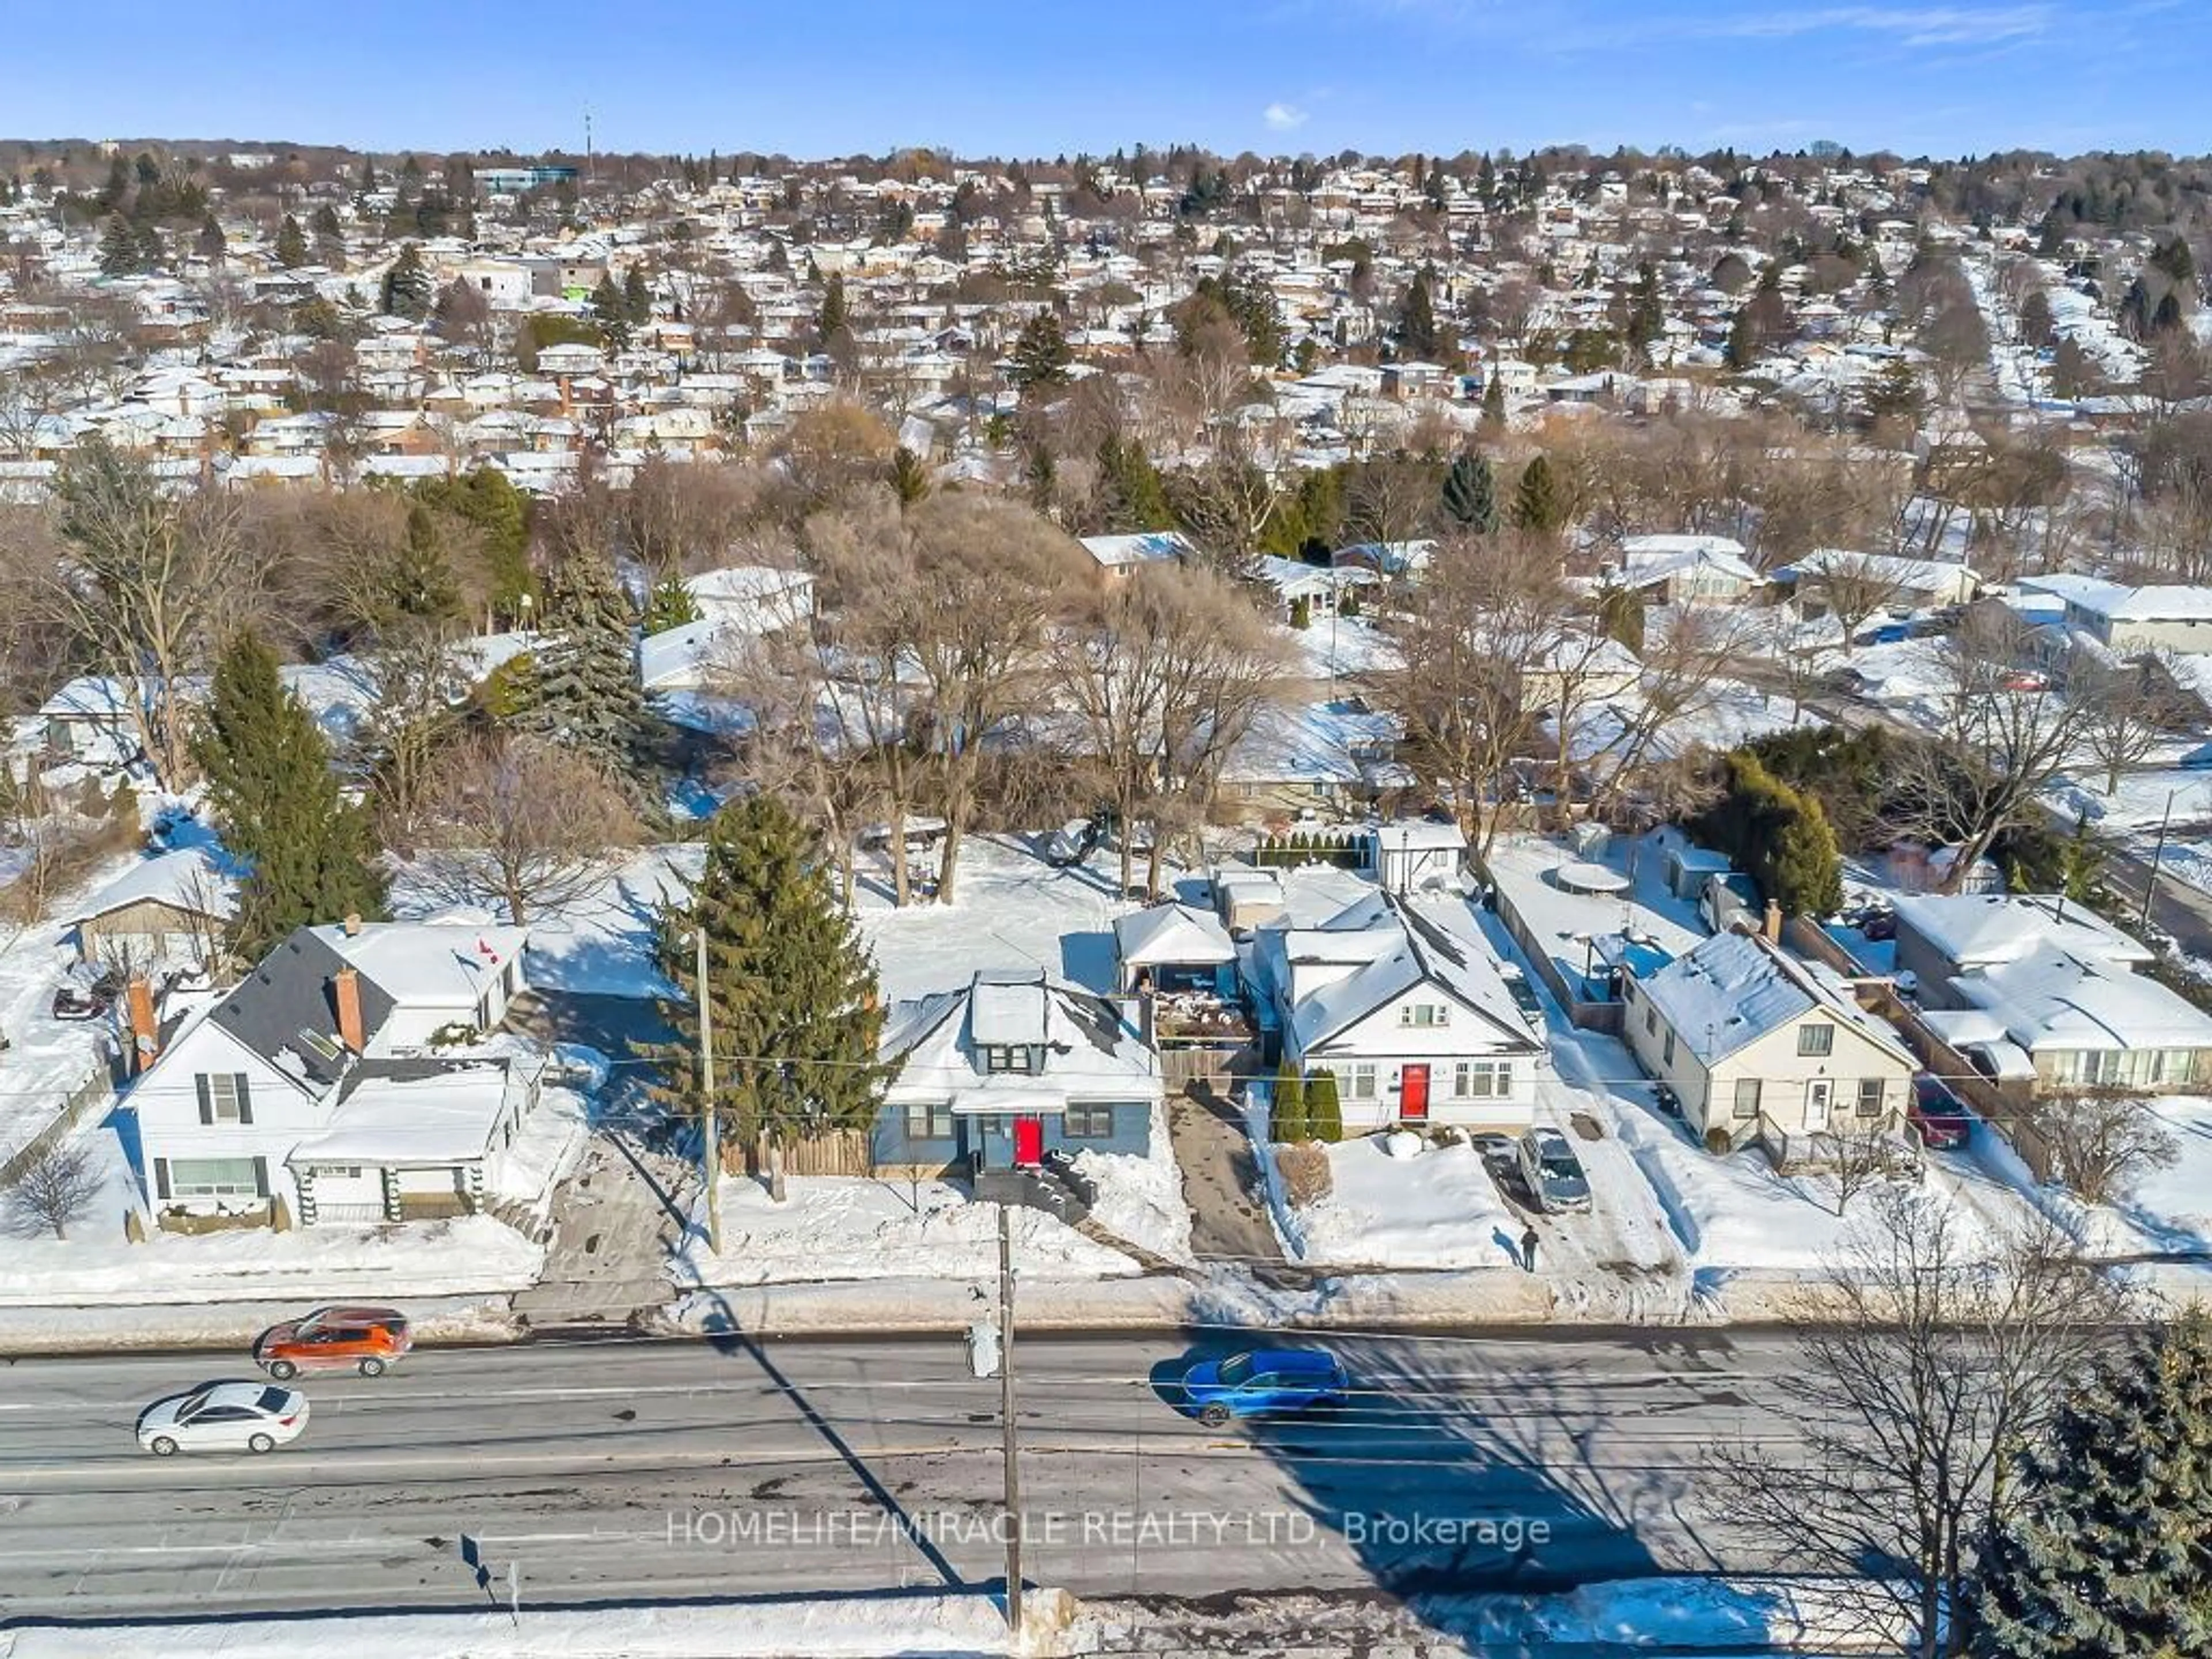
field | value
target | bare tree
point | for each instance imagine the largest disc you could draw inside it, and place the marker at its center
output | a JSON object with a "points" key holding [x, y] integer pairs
{"points": [[149, 588], [1856, 587], [1997, 732], [1925, 1358], [531, 826], [2126, 707], [415, 691], [56, 1189], [2102, 1141], [1492, 616], [1686, 658]]}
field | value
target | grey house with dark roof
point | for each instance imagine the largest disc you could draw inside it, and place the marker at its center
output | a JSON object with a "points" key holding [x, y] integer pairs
{"points": [[311, 1083]]}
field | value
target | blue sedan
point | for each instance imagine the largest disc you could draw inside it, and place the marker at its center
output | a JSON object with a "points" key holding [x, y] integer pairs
{"points": [[1262, 1382]]}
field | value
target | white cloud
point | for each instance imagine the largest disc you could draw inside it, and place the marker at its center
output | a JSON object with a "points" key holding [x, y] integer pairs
{"points": [[1284, 117]]}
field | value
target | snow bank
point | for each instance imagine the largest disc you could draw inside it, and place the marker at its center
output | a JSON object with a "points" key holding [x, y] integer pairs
{"points": [[840, 1227], [1141, 1198], [942, 1626]]}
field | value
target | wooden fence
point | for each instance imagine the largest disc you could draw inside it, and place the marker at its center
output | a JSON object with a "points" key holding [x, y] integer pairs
{"points": [[2001, 1106], [838, 1153], [95, 1093]]}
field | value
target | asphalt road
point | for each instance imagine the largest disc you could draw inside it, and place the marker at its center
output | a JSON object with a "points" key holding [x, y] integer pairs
{"points": [[673, 1469]]}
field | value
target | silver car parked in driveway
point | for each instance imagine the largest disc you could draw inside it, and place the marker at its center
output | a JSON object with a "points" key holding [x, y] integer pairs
{"points": [[1552, 1172]]}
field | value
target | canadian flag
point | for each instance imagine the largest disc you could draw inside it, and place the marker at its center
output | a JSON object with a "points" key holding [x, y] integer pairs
{"points": [[484, 950]]}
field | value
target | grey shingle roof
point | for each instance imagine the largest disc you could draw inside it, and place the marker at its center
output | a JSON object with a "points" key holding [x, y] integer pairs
{"points": [[287, 993]]}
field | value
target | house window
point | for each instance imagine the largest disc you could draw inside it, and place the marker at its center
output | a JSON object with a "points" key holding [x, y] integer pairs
{"points": [[1482, 1079], [1355, 1082], [1747, 1099], [1816, 1040], [1666, 1055], [1020, 1058], [929, 1122], [1087, 1123], [213, 1177], [226, 1097], [1423, 1013], [1651, 1018], [342, 1171], [1871, 1090]]}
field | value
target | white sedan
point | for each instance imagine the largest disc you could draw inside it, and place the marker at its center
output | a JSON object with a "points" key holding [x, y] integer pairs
{"points": [[255, 1417]]}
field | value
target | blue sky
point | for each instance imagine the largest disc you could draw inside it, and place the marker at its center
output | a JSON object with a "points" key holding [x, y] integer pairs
{"points": [[1047, 76]]}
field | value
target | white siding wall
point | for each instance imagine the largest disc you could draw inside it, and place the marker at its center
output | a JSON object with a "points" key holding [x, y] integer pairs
{"points": [[166, 1100]]}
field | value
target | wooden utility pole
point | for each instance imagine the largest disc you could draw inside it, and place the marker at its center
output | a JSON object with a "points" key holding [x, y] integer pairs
{"points": [[710, 1122], [1009, 1452]]}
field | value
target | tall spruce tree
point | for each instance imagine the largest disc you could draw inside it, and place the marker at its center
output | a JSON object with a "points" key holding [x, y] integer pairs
{"points": [[1539, 504], [1418, 340], [119, 253], [611, 314], [793, 994], [408, 291], [833, 314], [1470, 494], [1041, 354], [637, 297], [291, 243], [1494, 401], [277, 803], [1130, 488], [2106, 1551], [587, 692]]}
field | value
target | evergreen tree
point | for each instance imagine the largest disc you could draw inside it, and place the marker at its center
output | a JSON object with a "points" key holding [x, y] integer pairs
{"points": [[1041, 354], [1895, 394], [609, 312], [2106, 1551], [1324, 1111], [1286, 1115], [291, 243], [670, 606], [1539, 504], [1647, 316], [1418, 338], [119, 247], [1302, 613], [277, 803], [1494, 401], [1470, 494], [587, 694], [1134, 498], [211, 244], [909, 477], [490, 505], [796, 1014], [420, 583], [151, 252], [834, 314], [408, 291], [330, 236], [637, 297]]}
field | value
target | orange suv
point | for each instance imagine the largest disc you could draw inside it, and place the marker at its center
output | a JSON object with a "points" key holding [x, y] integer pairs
{"points": [[364, 1339]]}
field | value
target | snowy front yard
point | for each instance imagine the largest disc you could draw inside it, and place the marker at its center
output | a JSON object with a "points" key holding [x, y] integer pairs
{"points": [[1435, 1208], [846, 1227]]}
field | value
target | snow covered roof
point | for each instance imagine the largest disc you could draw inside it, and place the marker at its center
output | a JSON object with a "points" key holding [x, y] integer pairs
{"points": [[1930, 576], [191, 878], [1390, 946], [1974, 930], [1648, 559], [1152, 546], [2050, 999], [411, 1112], [425, 964], [1734, 988], [1092, 1049], [2118, 603], [1172, 934], [748, 582]]}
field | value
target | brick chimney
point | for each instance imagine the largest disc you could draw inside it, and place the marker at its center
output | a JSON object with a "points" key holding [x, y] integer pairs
{"points": [[1772, 928], [345, 991], [353, 924], [145, 1028]]}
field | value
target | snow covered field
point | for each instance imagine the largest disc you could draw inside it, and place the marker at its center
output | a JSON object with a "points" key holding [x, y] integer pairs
{"points": [[836, 1227]]}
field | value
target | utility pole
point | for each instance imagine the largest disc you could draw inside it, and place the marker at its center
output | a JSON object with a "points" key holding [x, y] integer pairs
{"points": [[1009, 1453], [710, 1122], [2157, 852]]}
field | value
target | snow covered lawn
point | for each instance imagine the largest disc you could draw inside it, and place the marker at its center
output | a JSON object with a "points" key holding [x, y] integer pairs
{"points": [[1011, 910], [1437, 1208], [840, 1227], [1141, 1198], [469, 1255]]}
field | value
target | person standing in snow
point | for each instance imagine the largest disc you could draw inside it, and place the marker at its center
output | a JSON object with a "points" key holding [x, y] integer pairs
{"points": [[1528, 1241]]}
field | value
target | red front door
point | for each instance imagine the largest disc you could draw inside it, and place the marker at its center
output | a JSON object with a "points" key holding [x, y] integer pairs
{"points": [[1029, 1142], [1414, 1092]]}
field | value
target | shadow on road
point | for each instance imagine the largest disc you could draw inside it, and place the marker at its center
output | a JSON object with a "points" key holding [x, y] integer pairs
{"points": [[727, 1337]]}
